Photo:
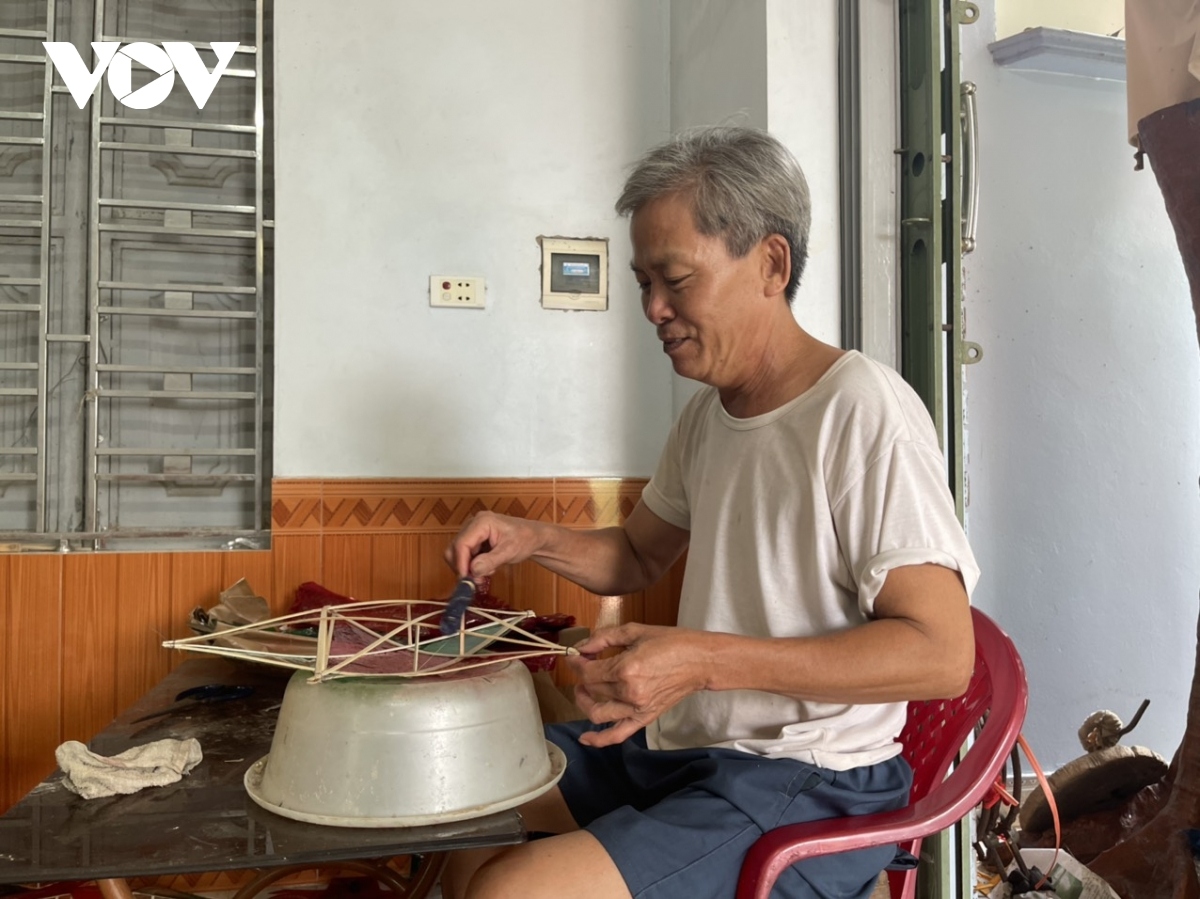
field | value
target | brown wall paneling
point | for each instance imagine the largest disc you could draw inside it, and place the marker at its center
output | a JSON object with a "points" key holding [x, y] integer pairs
{"points": [[530, 586], [527, 585], [89, 645], [590, 611], [347, 564], [633, 607], [436, 579], [392, 569], [196, 580], [413, 520], [33, 662], [297, 516], [392, 517], [6, 793], [297, 558], [142, 609]]}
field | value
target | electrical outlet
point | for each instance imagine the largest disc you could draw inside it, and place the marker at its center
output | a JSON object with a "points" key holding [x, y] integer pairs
{"points": [[456, 291]]}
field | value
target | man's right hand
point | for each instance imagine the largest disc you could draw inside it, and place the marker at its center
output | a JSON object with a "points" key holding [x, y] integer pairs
{"points": [[489, 541], [606, 561]]}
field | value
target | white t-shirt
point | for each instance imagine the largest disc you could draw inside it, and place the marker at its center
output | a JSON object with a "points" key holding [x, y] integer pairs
{"points": [[796, 516]]}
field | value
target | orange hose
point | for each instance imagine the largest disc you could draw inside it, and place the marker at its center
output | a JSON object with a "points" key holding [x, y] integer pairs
{"points": [[1037, 770]]}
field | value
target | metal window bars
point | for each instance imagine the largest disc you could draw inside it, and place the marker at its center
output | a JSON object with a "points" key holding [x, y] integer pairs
{"points": [[161, 292], [13, 467]]}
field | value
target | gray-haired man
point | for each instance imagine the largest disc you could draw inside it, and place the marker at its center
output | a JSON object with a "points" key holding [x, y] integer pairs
{"points": [[826, 582]]}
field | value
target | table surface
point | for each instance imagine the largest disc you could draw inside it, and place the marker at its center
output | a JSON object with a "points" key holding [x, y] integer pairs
{"points": [[205, 822]]}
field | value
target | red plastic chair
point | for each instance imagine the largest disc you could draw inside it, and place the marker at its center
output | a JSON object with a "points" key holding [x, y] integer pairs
{"points": [[933, 735]]}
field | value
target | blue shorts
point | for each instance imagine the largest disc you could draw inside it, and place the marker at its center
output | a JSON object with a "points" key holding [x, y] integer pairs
{"points": [[678, 823]]}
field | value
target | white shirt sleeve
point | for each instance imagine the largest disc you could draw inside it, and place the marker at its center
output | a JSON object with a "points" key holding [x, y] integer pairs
{"points": [[900, 512]]}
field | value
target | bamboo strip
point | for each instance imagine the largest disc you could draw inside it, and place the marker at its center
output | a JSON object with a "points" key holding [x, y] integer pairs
{"points": [[402, 635]]}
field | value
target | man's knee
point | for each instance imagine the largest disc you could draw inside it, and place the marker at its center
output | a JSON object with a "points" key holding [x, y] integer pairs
{"points": [[571, 865], [547, 813], [498, 878], [517, 873]]}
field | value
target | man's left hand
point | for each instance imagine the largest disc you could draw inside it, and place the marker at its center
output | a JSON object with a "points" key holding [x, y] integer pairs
{"points": [[658, 666]]}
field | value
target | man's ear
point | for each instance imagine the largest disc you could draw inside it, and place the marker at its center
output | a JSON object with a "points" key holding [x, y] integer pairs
{"points": [[776, 263]]}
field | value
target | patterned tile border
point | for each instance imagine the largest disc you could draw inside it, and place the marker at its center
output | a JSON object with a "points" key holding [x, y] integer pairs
{"points": [[296, 505], [595, 502], [378, 506]]}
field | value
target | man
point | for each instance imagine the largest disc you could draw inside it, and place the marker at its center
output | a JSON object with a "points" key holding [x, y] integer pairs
{"points": [[826, 580]]}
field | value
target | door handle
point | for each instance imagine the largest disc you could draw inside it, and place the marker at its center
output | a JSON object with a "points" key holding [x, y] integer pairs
{"points": [[970, 165]]}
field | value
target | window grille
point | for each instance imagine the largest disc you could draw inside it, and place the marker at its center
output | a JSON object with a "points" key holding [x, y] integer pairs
{"points": [[135, 285]]}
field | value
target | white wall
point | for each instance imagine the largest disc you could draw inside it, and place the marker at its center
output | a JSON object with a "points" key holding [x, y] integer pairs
{"points": [[443, 138], [1083, 413], [802, 111], [879, 116], [718, 63], [770, 64], [718, 77], [444, 141]]}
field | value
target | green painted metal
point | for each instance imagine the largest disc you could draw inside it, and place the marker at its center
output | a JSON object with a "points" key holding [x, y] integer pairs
{"points": [[931, 319], [921, 232]]}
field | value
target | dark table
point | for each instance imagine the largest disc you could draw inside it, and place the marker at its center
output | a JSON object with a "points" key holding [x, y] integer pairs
{"points": [[206, 821]]}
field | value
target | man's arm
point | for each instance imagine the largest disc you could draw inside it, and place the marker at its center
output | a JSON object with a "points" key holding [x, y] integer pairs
{"points": [[609, 561], [920, 645]]}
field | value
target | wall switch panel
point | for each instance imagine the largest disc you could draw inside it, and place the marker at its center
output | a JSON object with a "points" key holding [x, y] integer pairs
{"points": [[456, 291], [574, 273]]}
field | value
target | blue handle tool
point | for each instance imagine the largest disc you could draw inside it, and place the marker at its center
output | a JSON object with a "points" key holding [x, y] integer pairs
{"points": [[456, 606]]}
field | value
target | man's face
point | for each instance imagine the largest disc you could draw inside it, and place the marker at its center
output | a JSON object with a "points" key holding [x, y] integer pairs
{"points": [[705, 304]]}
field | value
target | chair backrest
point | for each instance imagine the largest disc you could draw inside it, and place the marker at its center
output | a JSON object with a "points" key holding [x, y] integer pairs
{"points": [[936, 730]]}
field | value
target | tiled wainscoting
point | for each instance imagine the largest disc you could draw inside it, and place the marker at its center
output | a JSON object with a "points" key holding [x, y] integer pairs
{"points": [[82, 631]]}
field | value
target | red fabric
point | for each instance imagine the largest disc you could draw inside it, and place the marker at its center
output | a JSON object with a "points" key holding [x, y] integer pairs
{"points": [[312, 597]]}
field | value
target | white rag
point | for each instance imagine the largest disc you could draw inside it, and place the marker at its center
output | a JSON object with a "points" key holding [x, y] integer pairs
{"points": [[150, 765]]}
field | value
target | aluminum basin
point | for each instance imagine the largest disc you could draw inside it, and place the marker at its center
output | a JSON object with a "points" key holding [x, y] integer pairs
{"points": [[400, 752]]}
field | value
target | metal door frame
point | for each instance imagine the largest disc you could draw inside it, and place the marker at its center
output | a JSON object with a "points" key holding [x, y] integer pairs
{"points": [[934, 235]]}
